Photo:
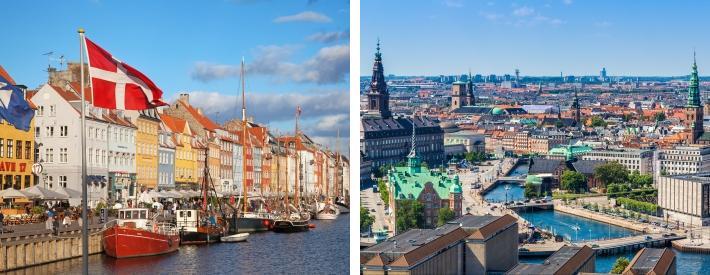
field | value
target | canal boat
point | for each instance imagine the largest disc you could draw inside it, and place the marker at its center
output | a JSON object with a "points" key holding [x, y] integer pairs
{"points": [[295, 222], [329, 212], [197, 228], [240, 237], [134, 234]]}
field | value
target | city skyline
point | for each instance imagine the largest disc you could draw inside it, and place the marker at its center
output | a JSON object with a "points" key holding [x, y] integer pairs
{"points": [[540, 38], [306, 65]]}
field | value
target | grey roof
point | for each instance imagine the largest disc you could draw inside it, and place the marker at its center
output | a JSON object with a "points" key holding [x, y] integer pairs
{"points": [[540, 165], [480, 110], [553, 264], [587, 166], [703, 177]]}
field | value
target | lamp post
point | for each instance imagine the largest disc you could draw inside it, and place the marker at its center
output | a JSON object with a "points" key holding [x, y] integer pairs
{"points": [[507, 187]]}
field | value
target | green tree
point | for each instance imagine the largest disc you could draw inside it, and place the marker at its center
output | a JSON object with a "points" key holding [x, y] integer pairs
{"points": [[445, 215], [410, 214], [597, 121], [620, 264], [384, 192], [573, 181], [638, 180], [531, 191], [660, 116], [611, 172], [366, 220]]}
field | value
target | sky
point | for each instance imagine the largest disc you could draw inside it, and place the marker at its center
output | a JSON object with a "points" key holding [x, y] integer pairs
{"points": [[545, 37], [296, 52]]}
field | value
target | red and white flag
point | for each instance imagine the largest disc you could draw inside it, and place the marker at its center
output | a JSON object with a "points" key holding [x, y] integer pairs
{"points": [[116, 85]]}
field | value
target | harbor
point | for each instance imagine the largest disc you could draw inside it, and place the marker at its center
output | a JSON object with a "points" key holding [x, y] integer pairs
{"points": [[262, 253]]}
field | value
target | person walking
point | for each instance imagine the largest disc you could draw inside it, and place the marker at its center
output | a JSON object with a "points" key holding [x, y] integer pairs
{"points": [[2, 220]]}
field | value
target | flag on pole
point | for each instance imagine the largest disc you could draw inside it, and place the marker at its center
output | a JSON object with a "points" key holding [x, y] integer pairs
{"points": [[14, 108], [116, 85], [298, 110]]}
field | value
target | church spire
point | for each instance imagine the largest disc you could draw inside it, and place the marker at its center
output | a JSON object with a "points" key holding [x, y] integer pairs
{"points": [[378, 97], [577, 111], [693, 87]]}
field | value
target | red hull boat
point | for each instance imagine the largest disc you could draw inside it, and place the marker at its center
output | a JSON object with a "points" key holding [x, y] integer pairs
{"points": [[133, 237]]}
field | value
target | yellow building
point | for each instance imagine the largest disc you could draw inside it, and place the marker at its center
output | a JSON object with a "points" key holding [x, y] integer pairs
{"points": [[16, 152], [147, 146], [185, 155]]}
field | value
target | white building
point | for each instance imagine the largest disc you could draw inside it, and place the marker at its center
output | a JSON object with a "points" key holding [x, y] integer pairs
{"points": [[684, 160], [685, 199], [633, 159], [121, 159], [58, 130]]}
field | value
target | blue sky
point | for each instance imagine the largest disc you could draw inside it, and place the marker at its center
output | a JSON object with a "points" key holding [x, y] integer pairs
{"points": [[544, 37], [297, 52]]}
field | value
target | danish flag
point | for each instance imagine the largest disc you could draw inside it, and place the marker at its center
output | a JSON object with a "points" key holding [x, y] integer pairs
{"points": [[116, 85]]}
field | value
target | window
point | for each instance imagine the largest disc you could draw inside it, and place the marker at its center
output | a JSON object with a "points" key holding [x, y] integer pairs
{"points": [[28, 149], [98, 156], [63, 181], [9, 148], [49, 155], [63, 131], [18, 152], [40, 110], [50, 181], [52, 110], [37, 132], [2, 148], [63, 155], [50, 131]]}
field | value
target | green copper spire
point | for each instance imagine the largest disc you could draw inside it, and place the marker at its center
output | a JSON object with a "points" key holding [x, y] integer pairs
{"points": [[693, 90]]}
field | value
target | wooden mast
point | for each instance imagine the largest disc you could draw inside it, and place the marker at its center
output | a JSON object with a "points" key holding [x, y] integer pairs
{"points": [[298, 161], [245, 139]]}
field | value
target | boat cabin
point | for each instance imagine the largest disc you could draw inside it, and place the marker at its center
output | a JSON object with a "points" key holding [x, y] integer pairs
{"points": [[187, 219], [133, 217]]}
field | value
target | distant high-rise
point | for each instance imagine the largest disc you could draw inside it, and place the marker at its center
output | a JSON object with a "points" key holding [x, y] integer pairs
{"points": [[517, 75], [378, 96], [602, 75]]}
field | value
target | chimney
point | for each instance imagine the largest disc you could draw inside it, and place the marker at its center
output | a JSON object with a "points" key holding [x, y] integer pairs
{"points": [[185, 97]]}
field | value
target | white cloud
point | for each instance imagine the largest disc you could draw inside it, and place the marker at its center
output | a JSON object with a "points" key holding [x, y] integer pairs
{"points": [[329, 37], [523, 11], [306, 16], [329, 65]]}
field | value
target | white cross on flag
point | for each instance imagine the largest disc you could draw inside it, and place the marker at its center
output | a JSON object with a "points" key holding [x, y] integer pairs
{"points": [[116, 85]]}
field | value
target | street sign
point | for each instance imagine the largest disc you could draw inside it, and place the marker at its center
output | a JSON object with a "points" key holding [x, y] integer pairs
{"points": [[37, 168]]}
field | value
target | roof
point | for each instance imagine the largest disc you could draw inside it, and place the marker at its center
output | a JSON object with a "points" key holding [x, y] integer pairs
{"points": [[651, 261], [703, 177], [543, 166], [174, 124], [202, 119], [6, 75], [587, 166], [409, 185], [472, 110], [566, 260]]}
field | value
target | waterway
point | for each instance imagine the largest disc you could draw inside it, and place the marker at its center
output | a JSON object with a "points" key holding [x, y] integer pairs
{"points": [[580, 229], [323, 250]]}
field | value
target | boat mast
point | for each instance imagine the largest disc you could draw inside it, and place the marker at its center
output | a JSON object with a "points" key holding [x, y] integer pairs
{"points": [[205, 175], [337, 163], [298, 160], [244, 142]]}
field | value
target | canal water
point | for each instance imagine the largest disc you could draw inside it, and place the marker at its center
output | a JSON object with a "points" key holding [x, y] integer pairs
{"points": [[323, 250], [577, 228]]}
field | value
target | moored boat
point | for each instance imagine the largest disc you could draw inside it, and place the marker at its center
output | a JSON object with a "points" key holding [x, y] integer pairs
{"points": [[329, 212], [134, 235], [195, 229], [235, 238], [291, 224]]}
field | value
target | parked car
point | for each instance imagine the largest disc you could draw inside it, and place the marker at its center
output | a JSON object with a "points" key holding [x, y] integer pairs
{"points": [[372, 210], [648, 238]]}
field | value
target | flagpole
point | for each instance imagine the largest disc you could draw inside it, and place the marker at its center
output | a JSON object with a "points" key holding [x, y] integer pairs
{"points": [[84, 210]]}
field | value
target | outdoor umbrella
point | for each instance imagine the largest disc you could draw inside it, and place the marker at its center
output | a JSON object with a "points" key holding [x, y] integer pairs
{"points": [[175, 194], [11, 193], [45, 194]]}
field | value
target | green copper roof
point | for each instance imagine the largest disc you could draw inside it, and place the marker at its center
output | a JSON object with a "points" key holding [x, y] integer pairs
{"points": [[693, 87], [532, 179], [408, 185], [456, 189], [497, 111], [570, 151]]}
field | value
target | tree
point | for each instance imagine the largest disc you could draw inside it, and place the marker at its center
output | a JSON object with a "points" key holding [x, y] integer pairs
{"points": [[366, 220], [660, 116], [597, 121], [620, 264], [638, 180], [573, 181], [611, 172], [384, 192], [445, 215], [410, 214], [531, 191]]}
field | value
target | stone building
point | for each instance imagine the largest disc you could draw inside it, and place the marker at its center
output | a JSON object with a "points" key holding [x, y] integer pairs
{"points": [[685, 198]]}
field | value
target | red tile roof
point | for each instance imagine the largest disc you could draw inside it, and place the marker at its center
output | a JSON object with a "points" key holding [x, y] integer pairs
{"points": [[176, 125], [6, 75], [202, 119]]}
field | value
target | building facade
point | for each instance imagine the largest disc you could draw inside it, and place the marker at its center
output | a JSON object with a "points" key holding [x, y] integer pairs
{"points": [[166, 158], [640, 160], [685, 199], [17, 150], [148, 124], [683, 160]]}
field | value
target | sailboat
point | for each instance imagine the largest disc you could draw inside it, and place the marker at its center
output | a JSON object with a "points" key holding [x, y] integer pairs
{"points": [[200, 226], [245, 220], [330, 211], [295, 219]]}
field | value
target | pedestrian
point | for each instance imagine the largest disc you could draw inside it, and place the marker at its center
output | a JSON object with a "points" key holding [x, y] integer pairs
{"points": [[2, 219], [66, 221]]}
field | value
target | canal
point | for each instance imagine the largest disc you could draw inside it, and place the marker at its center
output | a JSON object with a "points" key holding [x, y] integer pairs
{"points": [[577, 228], [323, 250]]}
